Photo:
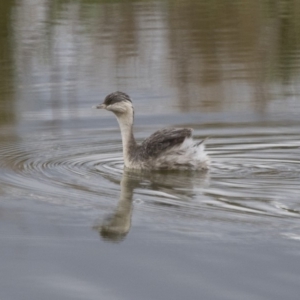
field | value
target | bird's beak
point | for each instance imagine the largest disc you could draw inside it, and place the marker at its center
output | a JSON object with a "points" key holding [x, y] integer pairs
{"points": [[100, 106]]}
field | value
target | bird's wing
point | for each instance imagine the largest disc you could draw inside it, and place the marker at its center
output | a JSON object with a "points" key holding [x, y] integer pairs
{"points": [[163, 140]]}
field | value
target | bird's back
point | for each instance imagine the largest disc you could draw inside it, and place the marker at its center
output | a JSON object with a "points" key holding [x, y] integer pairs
{"points": [[171, 148], [163, 140]]}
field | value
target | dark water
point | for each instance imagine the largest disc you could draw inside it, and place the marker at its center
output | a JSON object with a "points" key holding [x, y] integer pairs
{"points": [[75, 225]]}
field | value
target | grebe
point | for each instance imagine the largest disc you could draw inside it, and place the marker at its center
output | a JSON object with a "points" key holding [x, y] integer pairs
{"points": [[166, 149]]}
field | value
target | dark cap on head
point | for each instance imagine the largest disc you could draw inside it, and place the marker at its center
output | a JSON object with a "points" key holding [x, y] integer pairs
{"points": [[116, 97]]}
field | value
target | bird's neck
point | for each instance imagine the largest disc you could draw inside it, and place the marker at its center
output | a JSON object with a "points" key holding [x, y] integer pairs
{"points": [[128, 140]]}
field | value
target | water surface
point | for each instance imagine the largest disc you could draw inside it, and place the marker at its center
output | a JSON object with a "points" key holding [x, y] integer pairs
{"points": [[74, 224]]}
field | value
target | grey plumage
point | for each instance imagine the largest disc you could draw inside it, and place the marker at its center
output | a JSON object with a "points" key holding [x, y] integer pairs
{"points": [[163, 140]]}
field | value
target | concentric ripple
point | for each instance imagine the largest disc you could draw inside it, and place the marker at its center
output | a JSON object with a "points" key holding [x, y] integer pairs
{"points": [[252, 176], [53, 169]]}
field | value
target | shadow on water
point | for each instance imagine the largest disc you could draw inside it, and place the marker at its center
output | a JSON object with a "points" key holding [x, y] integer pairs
{"points": [[116, 226]]}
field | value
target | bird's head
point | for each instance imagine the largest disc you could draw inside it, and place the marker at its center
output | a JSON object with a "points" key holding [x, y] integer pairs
{"points": [[117, 102]]}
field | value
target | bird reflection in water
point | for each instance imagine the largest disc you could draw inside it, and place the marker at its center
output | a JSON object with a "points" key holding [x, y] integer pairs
{"points": [[116, 226], [182, 185]]}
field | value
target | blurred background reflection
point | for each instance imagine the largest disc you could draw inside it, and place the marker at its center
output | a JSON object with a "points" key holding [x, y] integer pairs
{"points": [[174, 56]]}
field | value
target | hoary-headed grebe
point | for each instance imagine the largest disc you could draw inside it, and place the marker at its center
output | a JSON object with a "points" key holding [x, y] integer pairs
{"points": [[166, 149]]}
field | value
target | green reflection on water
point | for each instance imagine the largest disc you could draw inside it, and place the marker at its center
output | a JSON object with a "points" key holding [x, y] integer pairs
{"points": [[6, 63], [208, 43]]}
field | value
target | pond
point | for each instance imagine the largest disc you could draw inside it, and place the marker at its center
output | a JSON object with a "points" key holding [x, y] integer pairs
{"points": [[74, 224]]}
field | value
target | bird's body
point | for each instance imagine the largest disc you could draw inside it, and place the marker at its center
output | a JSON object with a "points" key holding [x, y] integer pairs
{"points": [[166, 149], [171, 149]]}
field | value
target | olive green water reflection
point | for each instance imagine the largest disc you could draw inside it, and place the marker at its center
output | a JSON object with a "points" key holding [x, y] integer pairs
{"points": [[6, 63], [209, 56], [228, 69]]}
